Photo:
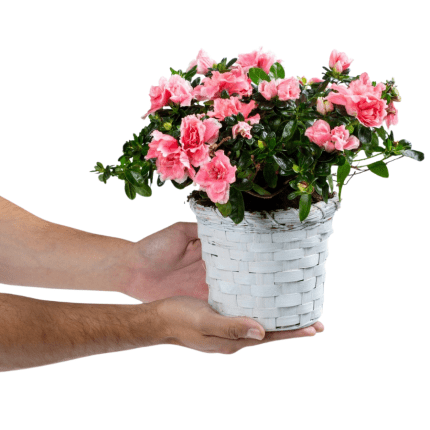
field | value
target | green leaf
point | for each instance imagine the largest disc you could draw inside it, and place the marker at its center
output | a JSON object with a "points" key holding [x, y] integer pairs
{"points": [[304, 206], [260, 190], [269, 173], [130, 190], [364, 134], [277, 71], [144, 190], [330, 182], [231, 62], [183, 185], [257, 75], [325, 193], [323, 169], [242, 185], [342, 173], [284, 162], [289, 129], [237, 206], [379, 168], [381, 132], [416, 155], [224, 209], [134, 178]]}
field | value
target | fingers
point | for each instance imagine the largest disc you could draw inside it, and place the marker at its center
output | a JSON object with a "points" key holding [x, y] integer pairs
{"points": [[287, 334], [231, 327], [232, 346]]}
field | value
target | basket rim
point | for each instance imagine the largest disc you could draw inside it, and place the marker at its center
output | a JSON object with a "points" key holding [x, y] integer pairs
{"points": [[285, 219], [334, 199]]}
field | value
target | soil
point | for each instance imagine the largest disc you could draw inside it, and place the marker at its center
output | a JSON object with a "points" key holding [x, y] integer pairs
{"points": [[256, 204]]}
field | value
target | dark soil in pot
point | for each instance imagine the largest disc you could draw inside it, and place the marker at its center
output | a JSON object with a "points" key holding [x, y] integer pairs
{"points": [[255, 204]]}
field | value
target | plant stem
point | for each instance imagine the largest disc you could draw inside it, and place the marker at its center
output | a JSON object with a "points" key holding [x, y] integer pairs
{"points": [[284, 187], [362, 171], [368, 158], [215, 146]]}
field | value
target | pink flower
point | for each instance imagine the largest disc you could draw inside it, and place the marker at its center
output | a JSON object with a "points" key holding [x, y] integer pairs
{"points": [[234, 82], [171, 162], [315, 81], [351, 143], [195, 134], [268, 89], [319, 133], [181, 90], [363, 86], [212, 127], [232, 106], [159, 96], [176, 89], [371, 111], [161, 144], [361, 99], [339, 61], [216, 176], [288, 89], [338, 138], [392, 117], [175, 167], [242, 128], [324, 106], [257, 59], [203, 62]]}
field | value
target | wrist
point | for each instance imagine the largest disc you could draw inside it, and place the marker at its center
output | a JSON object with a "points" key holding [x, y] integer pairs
{"points": [[150, 324]]}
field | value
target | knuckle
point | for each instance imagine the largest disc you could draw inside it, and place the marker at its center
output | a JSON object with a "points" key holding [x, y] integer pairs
{"points": [[233, 332]]}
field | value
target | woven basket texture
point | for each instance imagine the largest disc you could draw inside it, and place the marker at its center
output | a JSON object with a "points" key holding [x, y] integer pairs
{"points": [[270, 267]]}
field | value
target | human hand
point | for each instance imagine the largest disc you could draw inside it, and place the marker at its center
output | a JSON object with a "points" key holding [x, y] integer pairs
{"points": [[192, 323], [168, 263]]}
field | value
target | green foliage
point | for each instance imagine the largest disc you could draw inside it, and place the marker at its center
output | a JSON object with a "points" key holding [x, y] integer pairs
{"points": [[342, 174], [277, 71], [305, 206], [225, 209], [257, 75], [278, 157], [237, 205], [379, 168], [415, 155]]}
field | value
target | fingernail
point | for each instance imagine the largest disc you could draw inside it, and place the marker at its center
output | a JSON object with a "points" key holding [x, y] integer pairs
{"points": [[254, 333]]}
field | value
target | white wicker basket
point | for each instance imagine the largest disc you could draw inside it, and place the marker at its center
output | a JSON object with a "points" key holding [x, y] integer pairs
{"points": [[270, 267]]}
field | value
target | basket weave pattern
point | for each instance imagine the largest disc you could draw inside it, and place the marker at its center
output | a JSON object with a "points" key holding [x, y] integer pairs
{"points": [[270, 267]]}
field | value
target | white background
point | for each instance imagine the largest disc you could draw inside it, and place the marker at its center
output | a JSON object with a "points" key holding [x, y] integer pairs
{"points": [[74, 79]]}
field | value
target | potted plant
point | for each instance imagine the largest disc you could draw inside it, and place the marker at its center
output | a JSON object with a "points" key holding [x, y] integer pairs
{"points": [[266, 151]]}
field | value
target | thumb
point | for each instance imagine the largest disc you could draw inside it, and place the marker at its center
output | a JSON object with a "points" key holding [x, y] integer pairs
{"points": [[234, 327]]}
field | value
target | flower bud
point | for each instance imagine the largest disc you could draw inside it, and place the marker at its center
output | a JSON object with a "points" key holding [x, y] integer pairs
{"points": [[167, 126], [261, 144], [324, 106], [302, 186]]}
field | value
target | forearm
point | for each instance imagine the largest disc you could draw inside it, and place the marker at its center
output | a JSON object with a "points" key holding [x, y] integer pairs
{"points": [[34, 252], [36, 333]]}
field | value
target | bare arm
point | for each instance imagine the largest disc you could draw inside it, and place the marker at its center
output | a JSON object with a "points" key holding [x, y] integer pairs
{"points": [[36, 333], [34, 252]]}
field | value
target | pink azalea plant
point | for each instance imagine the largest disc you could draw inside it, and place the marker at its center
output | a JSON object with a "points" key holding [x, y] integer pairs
{"points": [[244, 127]]}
